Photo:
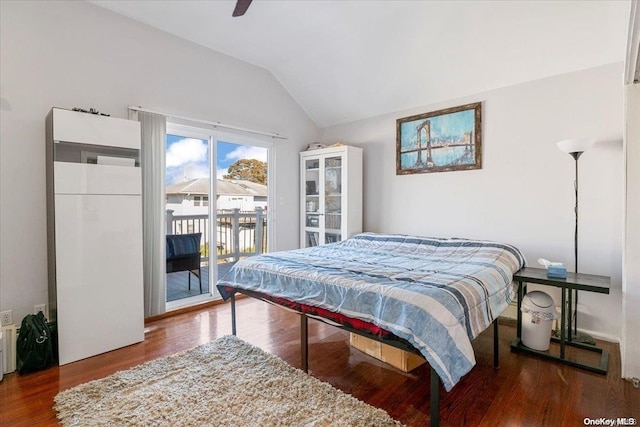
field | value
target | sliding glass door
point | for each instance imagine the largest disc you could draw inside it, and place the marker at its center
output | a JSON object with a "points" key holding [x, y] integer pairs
{"points": [[187, 210], [217, 208], [242, 199]]}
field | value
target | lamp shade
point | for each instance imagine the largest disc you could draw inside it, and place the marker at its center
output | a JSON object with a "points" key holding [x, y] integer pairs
{"points": [[575, 145]]}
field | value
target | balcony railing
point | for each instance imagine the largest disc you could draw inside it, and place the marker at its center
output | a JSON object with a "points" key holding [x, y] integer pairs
{"points": [[238, 234]]}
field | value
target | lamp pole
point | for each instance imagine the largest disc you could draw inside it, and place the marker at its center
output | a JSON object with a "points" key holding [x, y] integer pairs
{"points": [[576, 155], [575, 147]]}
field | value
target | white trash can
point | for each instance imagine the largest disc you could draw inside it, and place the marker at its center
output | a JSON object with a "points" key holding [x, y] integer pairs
{"points": [[538, 313]]}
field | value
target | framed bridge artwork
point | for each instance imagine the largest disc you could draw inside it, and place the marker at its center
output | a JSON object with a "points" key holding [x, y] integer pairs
{"points": [[440, 141]]}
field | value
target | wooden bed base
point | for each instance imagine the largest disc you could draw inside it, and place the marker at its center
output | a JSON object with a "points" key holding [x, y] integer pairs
{"points": [[397, 342]]}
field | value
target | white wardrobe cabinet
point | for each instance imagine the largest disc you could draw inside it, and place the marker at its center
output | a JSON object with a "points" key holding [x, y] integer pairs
{"points": [[94, 226], [331, 195]]}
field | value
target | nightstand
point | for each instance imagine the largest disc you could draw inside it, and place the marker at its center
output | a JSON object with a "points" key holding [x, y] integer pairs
{"points": [[573, 282]]}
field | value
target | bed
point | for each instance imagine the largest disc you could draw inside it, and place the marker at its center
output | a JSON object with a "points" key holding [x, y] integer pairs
{"points": [[431, 296]]}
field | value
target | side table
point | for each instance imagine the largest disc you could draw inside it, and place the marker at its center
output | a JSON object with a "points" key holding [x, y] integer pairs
{"points": [[577, 282]]}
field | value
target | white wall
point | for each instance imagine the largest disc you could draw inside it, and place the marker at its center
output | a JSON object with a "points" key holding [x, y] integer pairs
{"points": [[631, 282], [74, 54], [524, 192]]}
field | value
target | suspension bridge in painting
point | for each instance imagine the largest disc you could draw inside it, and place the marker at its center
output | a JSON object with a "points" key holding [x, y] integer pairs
{"points": [[441, 152]]}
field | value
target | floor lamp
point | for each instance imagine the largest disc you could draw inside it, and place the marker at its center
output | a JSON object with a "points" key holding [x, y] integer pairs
{"points": [[575, 147]]}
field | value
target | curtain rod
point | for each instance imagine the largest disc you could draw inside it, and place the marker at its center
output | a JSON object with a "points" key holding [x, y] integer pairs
{"points": [[214, 124]]}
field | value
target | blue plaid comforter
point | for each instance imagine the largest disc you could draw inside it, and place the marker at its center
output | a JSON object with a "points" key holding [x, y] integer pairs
{"points": [[438, 294]]}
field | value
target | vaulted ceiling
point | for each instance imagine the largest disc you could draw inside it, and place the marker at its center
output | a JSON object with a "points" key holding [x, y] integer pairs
{"points": [[348, 60]]}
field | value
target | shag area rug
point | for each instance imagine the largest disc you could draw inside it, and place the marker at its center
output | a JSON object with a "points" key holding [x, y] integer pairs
{"points": [[223, 383]]}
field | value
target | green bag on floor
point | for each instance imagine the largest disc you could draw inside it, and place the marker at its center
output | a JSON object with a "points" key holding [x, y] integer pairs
{"points": [[35, 344]]}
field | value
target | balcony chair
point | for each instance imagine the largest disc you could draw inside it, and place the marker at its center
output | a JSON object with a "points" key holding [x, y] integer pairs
{"points": [[183, 254]]}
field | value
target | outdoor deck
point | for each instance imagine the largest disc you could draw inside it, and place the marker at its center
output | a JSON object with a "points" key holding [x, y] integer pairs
{"points": [[178, 283], [238, 235]]}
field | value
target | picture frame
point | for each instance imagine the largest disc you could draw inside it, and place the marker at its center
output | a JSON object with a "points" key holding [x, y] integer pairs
{"points": [[440, 141]]}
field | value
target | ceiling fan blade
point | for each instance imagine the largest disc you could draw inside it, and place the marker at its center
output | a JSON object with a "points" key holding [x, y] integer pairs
{"points": [[241, 7]]}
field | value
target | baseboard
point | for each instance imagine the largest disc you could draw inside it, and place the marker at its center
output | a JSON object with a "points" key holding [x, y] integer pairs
{"points": [[601, 336], [200, 306], [511, 314], [506, 320]]}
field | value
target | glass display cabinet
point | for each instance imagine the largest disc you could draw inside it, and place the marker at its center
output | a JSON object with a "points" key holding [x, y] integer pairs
{"points": [[331, 195]]}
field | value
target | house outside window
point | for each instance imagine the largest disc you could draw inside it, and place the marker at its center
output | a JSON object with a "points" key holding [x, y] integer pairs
{"points": [[200, 200]]}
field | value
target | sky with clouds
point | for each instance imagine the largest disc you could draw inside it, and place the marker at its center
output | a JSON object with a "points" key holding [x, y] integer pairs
{"points": [[188, 158]]}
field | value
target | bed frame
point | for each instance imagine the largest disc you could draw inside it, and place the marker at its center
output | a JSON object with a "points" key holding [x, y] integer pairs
{"points": [[394, 341]]}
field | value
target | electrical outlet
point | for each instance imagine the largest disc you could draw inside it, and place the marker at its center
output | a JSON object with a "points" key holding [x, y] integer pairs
{"points": [[6, 317], [41, 308]]}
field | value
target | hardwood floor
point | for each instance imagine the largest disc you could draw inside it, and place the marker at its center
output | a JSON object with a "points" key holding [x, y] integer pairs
{"points": [[524, 391]]}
